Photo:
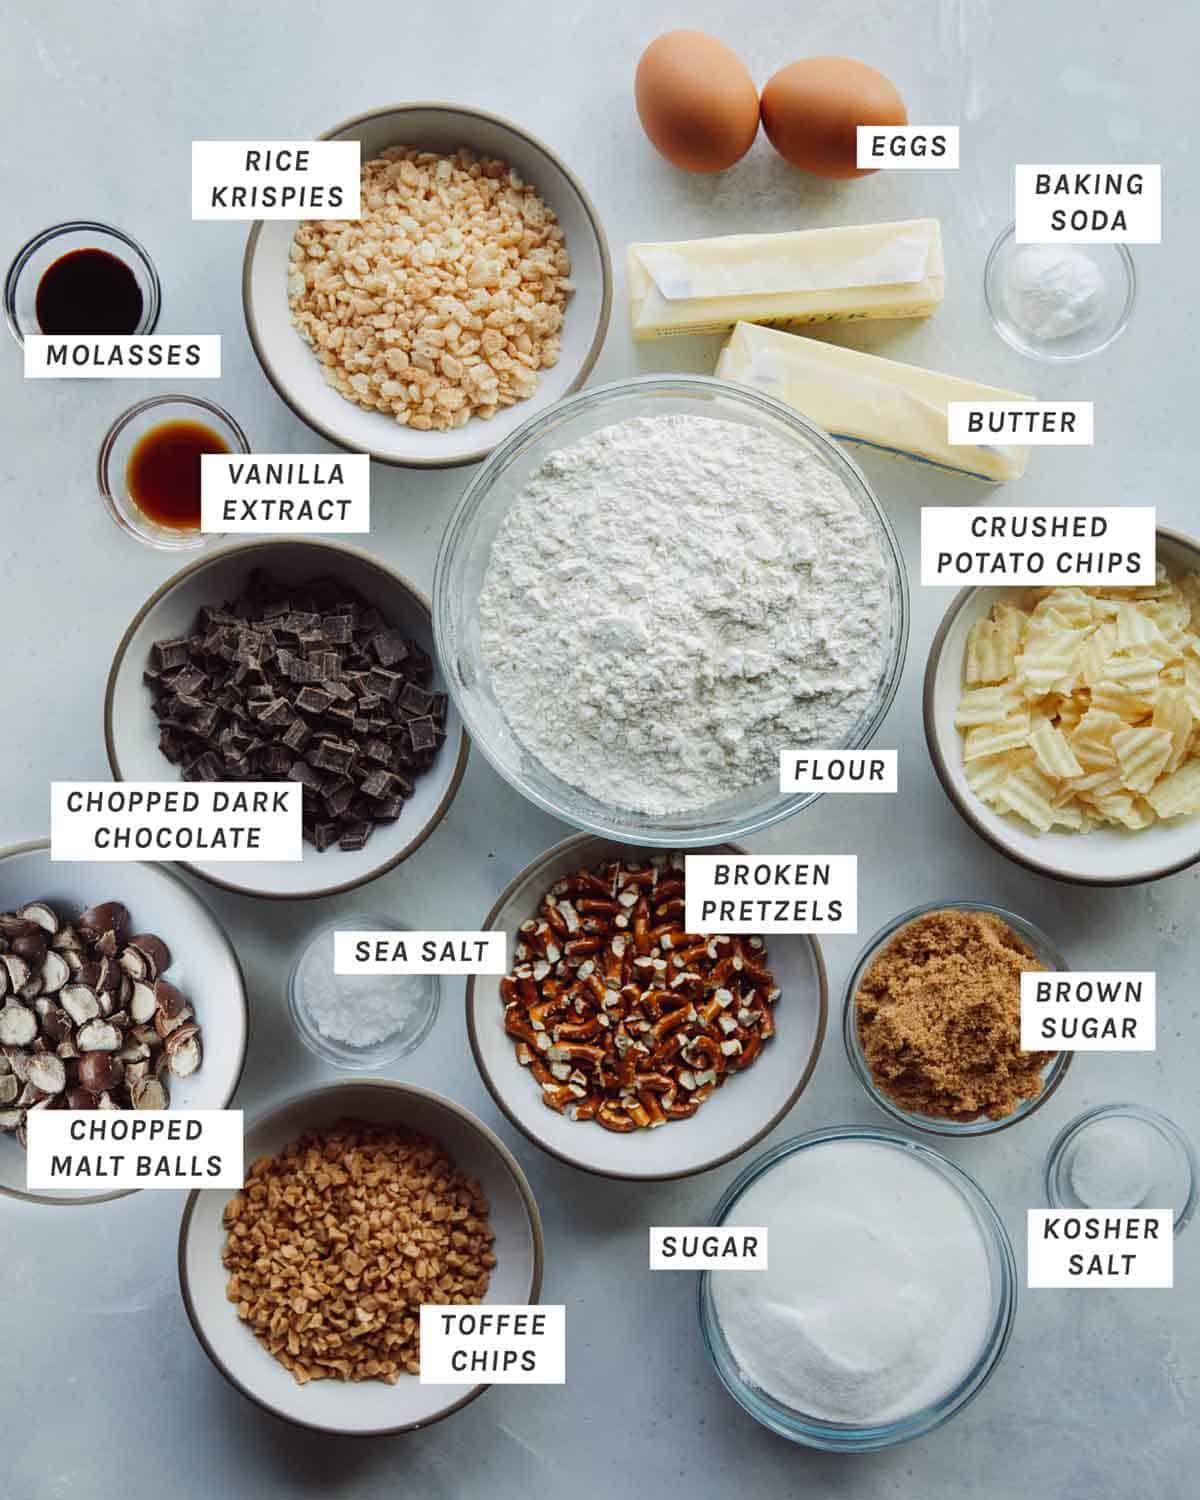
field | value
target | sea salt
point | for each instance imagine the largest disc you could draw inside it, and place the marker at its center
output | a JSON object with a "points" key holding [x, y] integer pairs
{"points": [[357, 1010]]}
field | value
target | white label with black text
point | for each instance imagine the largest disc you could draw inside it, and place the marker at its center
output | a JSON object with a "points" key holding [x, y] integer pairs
{"points": [[1088, 205], [122, 356], [1040, 424], [752, 894], [1101, 1247], [1092, 1012], [494, 1344], [235, 821], [703, 1248], [420, 952], [1020, 544], [914, 147], [838, 770], [285, 492], [129, 1148], [276, 180]]}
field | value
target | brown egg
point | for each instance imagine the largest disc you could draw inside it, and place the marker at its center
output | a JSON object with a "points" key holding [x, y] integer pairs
{"points": [[811, 109], [696, 101]]}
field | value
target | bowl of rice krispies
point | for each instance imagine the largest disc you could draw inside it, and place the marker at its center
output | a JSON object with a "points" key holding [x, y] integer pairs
{"points": [[1064, 722], [474, 290]]}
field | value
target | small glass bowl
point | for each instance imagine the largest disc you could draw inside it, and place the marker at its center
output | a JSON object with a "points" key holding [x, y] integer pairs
{"points": [[1120, 292], [839, 1437], [37, 255], [1177, 1185], [121, 439], [342, 1054], [1053, 1075], [462, 565]]}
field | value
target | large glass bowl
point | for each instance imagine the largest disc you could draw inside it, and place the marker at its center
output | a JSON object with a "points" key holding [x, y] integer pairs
{"points": [[1052, 1075], [463, 562], [844, 1437]]}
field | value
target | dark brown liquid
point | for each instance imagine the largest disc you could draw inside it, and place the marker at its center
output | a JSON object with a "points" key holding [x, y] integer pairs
{"points": [[163, 473], [88, 291]]}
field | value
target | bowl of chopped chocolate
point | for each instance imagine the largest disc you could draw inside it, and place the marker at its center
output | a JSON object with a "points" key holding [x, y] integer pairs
{"points": [[625, 1045], [118, 991], [292, 661]]}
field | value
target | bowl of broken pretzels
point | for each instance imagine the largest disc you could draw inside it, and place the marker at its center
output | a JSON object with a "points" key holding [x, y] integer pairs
{"points": [[623, 1044], [293, 661]]}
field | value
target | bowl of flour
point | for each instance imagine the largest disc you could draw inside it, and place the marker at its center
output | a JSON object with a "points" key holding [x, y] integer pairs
{"points": [[653, 589]]}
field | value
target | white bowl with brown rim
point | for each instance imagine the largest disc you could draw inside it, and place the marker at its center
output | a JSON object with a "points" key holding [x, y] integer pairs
{"points": [[131, 730], [203, 965], [292, 367], [1103, 856], [365, 1408], [735, 1117]]}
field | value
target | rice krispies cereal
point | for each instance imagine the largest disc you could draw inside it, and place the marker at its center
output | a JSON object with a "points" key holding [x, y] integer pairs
{"points": [[444, 300]]}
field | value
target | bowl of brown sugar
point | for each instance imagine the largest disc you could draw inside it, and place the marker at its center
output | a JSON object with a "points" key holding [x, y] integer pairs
{"points": [[932, 1019]]}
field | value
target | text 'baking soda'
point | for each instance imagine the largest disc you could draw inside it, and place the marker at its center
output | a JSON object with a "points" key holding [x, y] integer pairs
{"points": [[1016, 544], [420, 952], [1088, 205], [1107, 1248], [276, 179], [122, 356], [285, 493], [745, 894], [703, 1248], [495, 1344], [238, 821], [126, 1149], [1088, 1012]]}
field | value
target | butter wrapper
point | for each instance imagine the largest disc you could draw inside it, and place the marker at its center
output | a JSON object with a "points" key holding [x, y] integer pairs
{"points": [[863, 398], [804, 276]]}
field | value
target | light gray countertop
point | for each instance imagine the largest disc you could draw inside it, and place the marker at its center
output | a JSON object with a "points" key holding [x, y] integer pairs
{"points": [[105, 1389]]}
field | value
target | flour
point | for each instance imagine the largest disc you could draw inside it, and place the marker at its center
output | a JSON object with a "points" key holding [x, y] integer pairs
{"points": [[673, 600]]}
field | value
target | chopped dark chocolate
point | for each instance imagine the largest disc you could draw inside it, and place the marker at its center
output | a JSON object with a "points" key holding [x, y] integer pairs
{"points": [[309, 684]]}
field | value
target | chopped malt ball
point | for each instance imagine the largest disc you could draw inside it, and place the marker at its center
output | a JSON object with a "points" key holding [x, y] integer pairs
{"points": [[456, 278], [939, 1018]]}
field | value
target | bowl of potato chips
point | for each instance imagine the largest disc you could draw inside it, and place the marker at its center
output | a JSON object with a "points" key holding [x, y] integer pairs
{"points": [[1064, 721]]}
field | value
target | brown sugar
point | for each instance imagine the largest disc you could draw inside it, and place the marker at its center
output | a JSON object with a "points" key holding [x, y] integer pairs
{"points": [[939, 1017]]}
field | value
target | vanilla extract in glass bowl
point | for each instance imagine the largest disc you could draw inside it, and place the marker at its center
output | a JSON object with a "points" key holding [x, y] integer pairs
{"points": [[149, 470]]}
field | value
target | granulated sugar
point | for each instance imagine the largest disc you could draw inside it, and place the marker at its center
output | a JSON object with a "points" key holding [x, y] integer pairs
{"points": [[878, 1297], [672, 600]]}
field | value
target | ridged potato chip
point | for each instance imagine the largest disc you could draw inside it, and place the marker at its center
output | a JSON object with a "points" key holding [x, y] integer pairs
{"points": [[1084, 708]]}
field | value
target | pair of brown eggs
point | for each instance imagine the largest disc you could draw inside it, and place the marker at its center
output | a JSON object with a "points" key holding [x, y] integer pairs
{"points": [[699, 106]]}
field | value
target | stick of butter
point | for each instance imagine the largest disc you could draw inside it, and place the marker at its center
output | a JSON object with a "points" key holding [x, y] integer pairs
{"points": [[862, 398], [806, 276]]}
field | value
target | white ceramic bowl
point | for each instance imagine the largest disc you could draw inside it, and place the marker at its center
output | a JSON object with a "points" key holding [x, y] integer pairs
{"points": [[131, 730], [370, 1407], [1104, 856], [203, 965], [737, 1115], [289, 363]]}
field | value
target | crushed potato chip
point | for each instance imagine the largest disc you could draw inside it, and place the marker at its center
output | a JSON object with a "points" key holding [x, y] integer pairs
{"points": [[1084, 708]]}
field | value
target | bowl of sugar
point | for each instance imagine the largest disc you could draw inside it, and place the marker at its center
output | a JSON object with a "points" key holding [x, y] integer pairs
{"points": [[889, 1296]]}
